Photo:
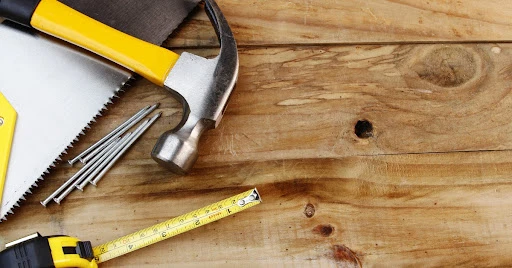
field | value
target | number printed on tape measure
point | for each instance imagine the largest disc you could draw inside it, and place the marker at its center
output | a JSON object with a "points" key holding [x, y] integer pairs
{"points": [[175, 226]]}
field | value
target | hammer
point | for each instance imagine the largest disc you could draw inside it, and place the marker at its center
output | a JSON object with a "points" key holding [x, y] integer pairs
{"points": [[202, 85]]}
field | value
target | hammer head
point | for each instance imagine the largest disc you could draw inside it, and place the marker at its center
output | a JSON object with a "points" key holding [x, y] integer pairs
{"points": [[203, 86]]}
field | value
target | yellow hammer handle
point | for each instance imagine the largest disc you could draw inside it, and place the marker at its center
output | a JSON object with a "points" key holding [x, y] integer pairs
{"points": [[151, 61]]}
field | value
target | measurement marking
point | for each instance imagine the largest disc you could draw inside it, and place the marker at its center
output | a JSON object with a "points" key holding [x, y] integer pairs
{"points": [[175, 226], [183, 224]]}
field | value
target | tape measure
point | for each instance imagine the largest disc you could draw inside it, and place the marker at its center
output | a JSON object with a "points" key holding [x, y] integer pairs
{"points": [[176, 226], [70, 252]]}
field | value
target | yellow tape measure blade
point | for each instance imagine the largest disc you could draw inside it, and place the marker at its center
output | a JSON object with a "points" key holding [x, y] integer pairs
{"points": [[7, 124], [176, 226]]}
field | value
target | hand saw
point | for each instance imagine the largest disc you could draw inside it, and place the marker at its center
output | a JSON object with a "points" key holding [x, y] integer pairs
{"points": [[59, 89]]}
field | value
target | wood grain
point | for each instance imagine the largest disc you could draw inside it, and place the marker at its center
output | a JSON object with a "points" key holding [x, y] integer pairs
{"points": [[305, 102], [283, 22], [406, 210]]}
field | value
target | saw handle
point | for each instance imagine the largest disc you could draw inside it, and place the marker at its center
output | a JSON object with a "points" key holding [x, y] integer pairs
{"points": [[19, 11], [56, 19]]}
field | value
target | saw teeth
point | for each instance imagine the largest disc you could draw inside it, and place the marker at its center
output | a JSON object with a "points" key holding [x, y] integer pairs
{"points": [[65, 151]]}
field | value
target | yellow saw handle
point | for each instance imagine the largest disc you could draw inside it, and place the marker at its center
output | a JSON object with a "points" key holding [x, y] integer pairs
{"points": [[7, 124], [150, 61]]}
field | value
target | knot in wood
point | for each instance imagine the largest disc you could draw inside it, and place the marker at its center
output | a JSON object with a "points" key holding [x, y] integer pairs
{"points": [[447, 66], [345, 257], [324, 230], [309, 210]]}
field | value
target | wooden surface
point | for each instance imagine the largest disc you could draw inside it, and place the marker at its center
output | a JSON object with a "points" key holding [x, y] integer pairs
{"points": [[429, 185], [283, 22]]}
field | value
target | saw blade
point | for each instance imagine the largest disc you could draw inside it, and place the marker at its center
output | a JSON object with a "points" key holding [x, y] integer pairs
{"points": [[57, 91]]}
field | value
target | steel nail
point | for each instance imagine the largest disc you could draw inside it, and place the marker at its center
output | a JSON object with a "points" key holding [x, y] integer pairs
{"points": [[99, 149], [73, 178], [104, 163], [133, 122], [133, 139], [101, 160], [120, 130], [90, 166], [107, 137]]}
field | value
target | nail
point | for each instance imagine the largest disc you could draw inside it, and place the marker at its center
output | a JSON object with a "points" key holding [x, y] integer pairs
{"points": [[133, 139], [74, 177], [98, 161], [99, 149], [107, 137], [104, 163], [132, 123], [120, 130]]}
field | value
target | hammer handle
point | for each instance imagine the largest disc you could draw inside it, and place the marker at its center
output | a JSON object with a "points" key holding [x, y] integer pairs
{"points": [[56, 19]]}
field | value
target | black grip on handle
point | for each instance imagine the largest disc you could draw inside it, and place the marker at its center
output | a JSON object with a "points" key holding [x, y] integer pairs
{"points": [[19, 11]]}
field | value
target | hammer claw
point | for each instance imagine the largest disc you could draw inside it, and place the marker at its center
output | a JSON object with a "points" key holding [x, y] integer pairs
{"points": [[204, 87]]}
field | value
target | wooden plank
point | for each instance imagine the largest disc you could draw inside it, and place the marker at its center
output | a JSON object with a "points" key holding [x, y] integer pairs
{"points": [[407, 210], [305, 102], [357, 21]]}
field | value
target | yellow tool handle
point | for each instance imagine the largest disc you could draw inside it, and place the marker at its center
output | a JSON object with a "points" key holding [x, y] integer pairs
{"points": [[7, 124], [178, 225], [151, 61]]}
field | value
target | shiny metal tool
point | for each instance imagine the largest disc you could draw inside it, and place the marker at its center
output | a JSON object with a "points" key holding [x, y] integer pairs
{"points": [[101, 144], [77, 175], [63, 194], [101, 163], [202, 85], [112, 162], [90, 152], [108, 157]]}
